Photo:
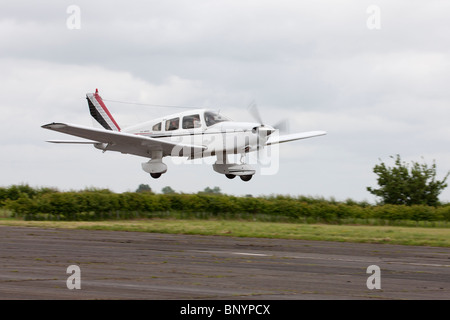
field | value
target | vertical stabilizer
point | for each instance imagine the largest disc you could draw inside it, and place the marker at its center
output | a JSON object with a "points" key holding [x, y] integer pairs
{"points": [[100, 113]]}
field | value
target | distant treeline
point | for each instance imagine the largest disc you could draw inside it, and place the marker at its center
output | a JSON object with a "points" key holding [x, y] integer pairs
{"points": [[91, 204]]}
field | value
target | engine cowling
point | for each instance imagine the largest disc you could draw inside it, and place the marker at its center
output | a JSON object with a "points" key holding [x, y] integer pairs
{"points": [[154, 166]]}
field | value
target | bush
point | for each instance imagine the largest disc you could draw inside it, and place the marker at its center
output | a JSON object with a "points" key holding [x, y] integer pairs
{"points": [[92, 204]]}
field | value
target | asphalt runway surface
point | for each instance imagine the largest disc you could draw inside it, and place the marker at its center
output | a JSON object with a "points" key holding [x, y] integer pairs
{"points": [[135, 265]]}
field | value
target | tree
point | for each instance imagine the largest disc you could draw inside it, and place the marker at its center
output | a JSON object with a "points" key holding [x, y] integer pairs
{"points": [[144, 188], [208, 190], [167, 190], [407, 185]]}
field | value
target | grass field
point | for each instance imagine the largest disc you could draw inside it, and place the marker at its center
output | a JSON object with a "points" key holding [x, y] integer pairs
{"points": [[348, 233]]}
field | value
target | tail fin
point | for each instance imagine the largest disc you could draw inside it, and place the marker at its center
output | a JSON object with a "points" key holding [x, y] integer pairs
{"points": [[100, 113]]}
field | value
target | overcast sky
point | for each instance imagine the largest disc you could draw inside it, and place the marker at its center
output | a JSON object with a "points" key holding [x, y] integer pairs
{"points": [[374, 74]]}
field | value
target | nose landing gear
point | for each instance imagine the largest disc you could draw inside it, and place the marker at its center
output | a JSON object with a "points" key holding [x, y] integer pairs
{"points": [[231, 170]]}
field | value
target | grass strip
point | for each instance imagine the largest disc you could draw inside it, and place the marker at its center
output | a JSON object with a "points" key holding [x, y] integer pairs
{"points": [[345, 233]]}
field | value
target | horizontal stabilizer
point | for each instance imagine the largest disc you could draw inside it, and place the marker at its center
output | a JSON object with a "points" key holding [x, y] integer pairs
{"points": [[73, 141]]}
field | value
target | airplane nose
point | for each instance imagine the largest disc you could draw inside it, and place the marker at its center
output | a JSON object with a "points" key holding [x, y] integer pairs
{"points": [[262, 129]]}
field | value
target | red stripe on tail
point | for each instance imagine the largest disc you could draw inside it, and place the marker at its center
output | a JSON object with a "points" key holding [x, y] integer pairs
{"points": [[100, 102]]}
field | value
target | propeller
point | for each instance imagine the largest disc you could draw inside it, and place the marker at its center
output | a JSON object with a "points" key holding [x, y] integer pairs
{"points": [[253, 109], [264, 131], [282, 126]]}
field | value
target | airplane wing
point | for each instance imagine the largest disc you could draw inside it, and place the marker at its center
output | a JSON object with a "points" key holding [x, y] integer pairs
{"points": [[109, 140], [293, 136]]}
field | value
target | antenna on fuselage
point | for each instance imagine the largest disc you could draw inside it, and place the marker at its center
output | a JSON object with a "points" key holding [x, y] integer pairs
{"points": [[150, 105]]}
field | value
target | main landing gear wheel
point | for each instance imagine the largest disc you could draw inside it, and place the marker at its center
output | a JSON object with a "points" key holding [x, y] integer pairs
{"points": [[155, 175], [246, 177], [230, 176]]}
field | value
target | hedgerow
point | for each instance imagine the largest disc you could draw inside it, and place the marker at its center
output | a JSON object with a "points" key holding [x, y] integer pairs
{"points": [[51, 204]]}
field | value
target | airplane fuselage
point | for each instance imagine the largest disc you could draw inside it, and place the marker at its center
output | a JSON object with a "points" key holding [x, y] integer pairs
{"points": [[216, 136]]}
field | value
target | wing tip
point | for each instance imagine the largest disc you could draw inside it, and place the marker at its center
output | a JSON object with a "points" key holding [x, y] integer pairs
{"points": [[54, 125]]}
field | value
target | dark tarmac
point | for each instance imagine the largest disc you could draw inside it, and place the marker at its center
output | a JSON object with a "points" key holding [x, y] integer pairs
{"points": [[134, 265]]}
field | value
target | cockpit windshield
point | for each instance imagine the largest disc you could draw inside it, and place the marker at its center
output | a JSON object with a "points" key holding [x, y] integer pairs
{"points": [[213, 118]]}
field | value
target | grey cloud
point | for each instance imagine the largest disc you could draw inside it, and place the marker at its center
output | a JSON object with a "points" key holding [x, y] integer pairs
{"points": [[377, 92]]}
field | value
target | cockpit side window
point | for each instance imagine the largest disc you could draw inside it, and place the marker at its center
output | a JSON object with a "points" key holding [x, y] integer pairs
{"points": [[157, 127], [191, 122], [172, 124], [212, 118]]}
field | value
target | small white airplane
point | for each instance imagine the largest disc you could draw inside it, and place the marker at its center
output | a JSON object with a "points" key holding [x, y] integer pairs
{"points": [[193, 134]]}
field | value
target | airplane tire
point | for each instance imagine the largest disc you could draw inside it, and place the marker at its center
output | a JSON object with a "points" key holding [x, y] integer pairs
{"points": [[246, 177], [155, 175], [230, 176]]}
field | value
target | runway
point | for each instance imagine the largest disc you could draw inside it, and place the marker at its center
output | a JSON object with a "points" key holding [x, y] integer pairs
{"points": [[133, 265]]}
